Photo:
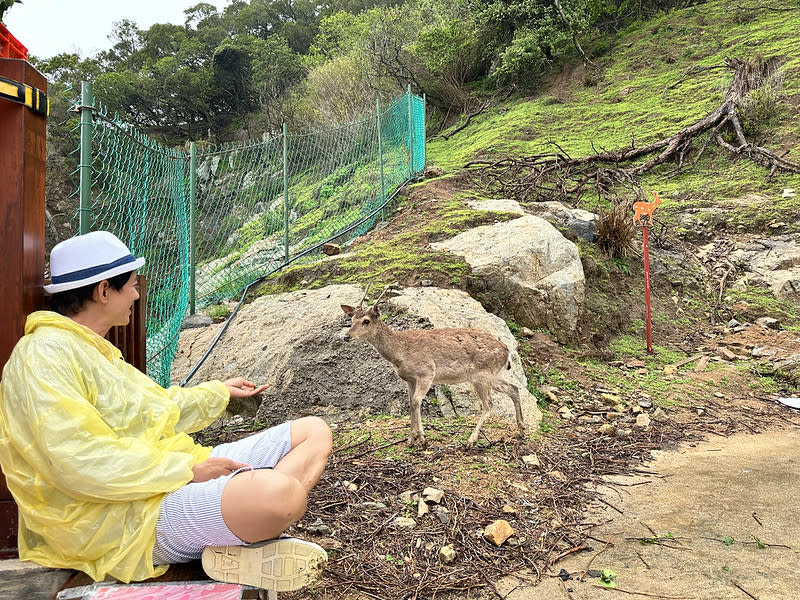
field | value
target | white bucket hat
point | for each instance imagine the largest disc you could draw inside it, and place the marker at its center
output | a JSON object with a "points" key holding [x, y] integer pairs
{"points": [[89, 258]]}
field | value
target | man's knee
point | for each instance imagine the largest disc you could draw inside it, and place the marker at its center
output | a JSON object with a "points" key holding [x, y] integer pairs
{"points": [[314, 430]]}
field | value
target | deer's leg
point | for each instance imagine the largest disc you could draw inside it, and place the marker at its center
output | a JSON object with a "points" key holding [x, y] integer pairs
{"points": [[510, 390], [416, 392], [483, 390]]}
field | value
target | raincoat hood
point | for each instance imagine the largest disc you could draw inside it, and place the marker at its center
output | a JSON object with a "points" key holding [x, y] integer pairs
{"points": [[90, 445]]}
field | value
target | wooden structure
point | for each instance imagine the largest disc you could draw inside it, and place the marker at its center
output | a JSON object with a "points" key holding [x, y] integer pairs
{"points": [[22, 162], [22, 206]]}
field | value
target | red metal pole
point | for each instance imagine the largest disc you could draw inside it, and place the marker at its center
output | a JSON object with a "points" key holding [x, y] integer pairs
{"points": [[646, 252]]}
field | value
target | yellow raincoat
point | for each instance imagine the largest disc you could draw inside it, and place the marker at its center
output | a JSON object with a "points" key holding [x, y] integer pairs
{"points": [[90, 445]]}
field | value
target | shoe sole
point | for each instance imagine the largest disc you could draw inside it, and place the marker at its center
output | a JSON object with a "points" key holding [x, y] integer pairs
{"points": [[283, 565]]}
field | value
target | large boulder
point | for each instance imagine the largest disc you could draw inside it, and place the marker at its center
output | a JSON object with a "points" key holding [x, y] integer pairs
{"points": [[531, 271]]}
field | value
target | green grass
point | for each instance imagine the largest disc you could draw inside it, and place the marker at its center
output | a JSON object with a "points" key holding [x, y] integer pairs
{"points": [[629, 98]]}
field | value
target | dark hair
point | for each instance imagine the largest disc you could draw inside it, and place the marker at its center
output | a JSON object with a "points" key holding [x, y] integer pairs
{"points": [[70, 302]]}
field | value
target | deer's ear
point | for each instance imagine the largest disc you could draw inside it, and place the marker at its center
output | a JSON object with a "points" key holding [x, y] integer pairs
{"points": [[349, 310], [374, 310]]}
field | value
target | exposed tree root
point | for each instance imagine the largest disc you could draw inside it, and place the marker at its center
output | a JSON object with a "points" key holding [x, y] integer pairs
{"points": [[557, 176]]}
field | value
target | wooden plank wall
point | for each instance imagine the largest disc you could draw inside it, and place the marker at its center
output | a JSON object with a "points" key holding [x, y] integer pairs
{"points": [[23, 154]]}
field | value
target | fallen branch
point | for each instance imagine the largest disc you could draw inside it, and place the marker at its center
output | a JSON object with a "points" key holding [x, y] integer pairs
{"points": [[557, 176], [470, 116]]}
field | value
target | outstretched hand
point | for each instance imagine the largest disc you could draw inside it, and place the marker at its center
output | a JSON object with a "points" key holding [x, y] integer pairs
{"points": [[239, 387]]}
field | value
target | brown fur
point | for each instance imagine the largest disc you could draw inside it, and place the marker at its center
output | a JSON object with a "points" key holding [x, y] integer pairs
{"points": [[424, 357]]}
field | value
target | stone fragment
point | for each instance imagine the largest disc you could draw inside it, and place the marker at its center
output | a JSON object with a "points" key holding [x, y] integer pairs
{"points": [[643, 420], [331, 249], [404, 523], [432, 495], [498, 532], [725, 353], [422, 508], [768, 323], [509, 510], [608, 429], [447, 554], [670, 370], [611, 399], [531, 460]]}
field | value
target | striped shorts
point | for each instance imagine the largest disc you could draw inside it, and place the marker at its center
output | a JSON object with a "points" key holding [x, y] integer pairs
{"points": [[191, 517]]}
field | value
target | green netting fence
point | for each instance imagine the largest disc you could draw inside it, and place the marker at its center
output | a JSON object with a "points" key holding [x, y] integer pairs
{"points": [[214, 219]]}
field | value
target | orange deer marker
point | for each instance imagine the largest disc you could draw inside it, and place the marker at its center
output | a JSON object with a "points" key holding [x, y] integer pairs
{"points": [[645, 208]]}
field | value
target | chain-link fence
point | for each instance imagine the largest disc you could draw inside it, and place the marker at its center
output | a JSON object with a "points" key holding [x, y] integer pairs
{"points": [[214, 220]]}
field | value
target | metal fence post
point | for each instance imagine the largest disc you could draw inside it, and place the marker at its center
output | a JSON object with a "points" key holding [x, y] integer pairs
{"points": [[380, 149], [410, 134], [85, 178], [285, 194], [192, 216], [424, 126]]}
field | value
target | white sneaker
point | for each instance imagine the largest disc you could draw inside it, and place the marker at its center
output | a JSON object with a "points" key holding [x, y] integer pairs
{"points": [[283, 565]]}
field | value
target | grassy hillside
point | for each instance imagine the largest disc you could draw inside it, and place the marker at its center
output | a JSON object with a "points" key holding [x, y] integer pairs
{"points": [[648, 82], [639, 91]]}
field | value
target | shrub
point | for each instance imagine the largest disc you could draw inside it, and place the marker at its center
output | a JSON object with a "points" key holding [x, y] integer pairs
{"points": [[615, 230]]}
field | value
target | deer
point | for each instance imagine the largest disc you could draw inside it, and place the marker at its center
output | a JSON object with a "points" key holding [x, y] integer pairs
{"points": [[645, 208], [424, 357]]}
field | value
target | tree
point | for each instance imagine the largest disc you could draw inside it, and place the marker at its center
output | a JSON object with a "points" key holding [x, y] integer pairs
{"points": [[5, 5]]}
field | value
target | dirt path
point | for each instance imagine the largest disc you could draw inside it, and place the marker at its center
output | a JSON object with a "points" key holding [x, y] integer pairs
{"points": [[745, 488]]}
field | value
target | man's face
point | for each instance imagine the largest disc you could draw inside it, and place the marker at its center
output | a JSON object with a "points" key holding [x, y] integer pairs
{"points": [[121, 302]]}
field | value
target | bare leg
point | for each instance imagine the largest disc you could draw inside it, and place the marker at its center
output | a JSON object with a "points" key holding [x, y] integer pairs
{"points": [[262, 504]]}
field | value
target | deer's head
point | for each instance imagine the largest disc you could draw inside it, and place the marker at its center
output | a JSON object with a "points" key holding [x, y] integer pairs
{"points": [[363, 321]]}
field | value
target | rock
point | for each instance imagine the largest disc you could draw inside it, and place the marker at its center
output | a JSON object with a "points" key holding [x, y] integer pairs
{"points": [[761, 352], [432, 495], [768, 323], [372, 505], [659, 414], [447, 555], [608, 429], [331, 249], [670, 370], [509, 510], [788, 193], [422, 508], [645, 402], [610, 399], [404, 523], [565, 413], [406, 496], [539, 275], [318, 528], [432, 171], [497, 205], [531, 460], [196, 320], [557, 475], [635, 363], [725, 353], [581, 223], [643, 420], [330, 543], [498, 532]]}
